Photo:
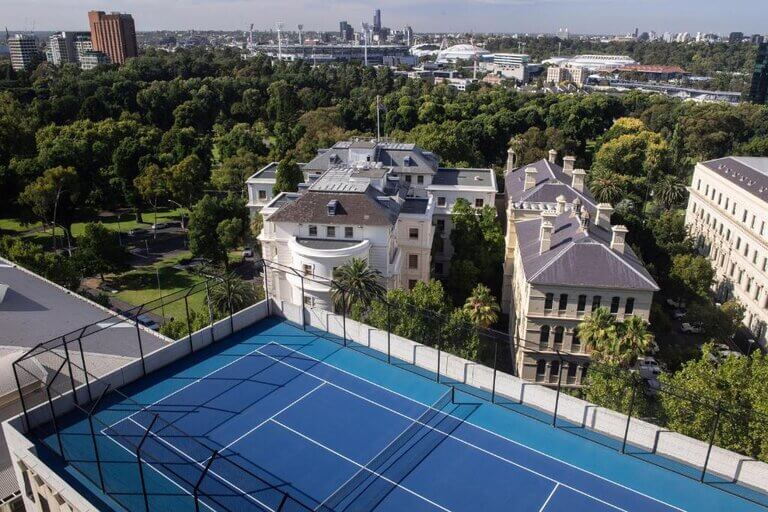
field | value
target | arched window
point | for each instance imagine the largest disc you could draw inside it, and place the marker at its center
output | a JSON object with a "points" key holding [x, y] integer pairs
{"points": [[559, 331], [575, 341], [541, 369], [544, 336]]}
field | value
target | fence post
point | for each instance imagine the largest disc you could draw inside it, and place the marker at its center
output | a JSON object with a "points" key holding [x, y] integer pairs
{"points": [[93, 437], [711, 442], [85, 370], [138, 336], [138, 459], [389, 334], [69, 368], [495, 364], [282, 502], [634, 385], [229, 305], [559, 381], [210, 309], [303, 302], [344, 315], [21, 395], [439, 351], [53, 411], [196, 490], [189, 323]]}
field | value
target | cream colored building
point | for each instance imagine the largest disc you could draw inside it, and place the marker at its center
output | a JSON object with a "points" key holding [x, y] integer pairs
{"points": [[563, 260], [728, 216]]}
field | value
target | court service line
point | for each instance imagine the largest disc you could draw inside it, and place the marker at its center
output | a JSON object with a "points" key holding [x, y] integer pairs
{"points": [[155, 469], [544, 506], [146, 407], [458, 439], [210, 471], [496, 434], [351, 461]]}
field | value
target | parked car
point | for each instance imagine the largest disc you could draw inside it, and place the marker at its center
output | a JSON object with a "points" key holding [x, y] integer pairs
{"points": [[676, 303], [146, 321], [248, 252], [137, 232], [161, 225], [688, 328], [648, 367]]}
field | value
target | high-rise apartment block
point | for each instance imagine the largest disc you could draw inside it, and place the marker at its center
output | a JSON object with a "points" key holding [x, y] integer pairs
{"points": [[346, 32], [113, 34], [66, 47], [24, 52], [758, 91], [377, 21]]}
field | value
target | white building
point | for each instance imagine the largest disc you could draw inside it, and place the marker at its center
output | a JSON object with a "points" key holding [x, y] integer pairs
{"points": [[459, 52], [380, 201], [23, 48], [66, 47], [593, 62], [728, 216]]}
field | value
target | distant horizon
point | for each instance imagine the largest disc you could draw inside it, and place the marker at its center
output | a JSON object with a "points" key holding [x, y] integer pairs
{"points": [[615, 17]]}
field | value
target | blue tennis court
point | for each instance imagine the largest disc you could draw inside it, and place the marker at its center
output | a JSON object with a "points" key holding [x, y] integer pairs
{"points": [[279, 419]]}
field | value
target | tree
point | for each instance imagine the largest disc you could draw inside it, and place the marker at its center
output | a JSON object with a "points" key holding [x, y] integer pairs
{"points": [[234, 170], [720, 323], [230, 291], [670, 232], [599, 332], [669, 191], [187, 179], [56, 187], [98, 250], [606, 186], [635, 340], [691, 276], [215, 226], [357, 284], [153, 185], [610, 386], [482, 307], [288, 176]]}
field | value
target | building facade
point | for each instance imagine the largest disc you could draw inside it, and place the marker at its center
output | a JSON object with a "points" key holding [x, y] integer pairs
{"points": [[113, 34], [24, 51], [758, 91], [563, 260], [67, 47], [386, 202], [728, 216]]}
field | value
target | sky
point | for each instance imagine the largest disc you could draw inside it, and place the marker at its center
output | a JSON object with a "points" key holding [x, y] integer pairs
{"points": [[579, 16]]}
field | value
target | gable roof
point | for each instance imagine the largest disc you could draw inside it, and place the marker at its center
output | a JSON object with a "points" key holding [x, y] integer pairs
{"points": [[577, 257], [364, 209], [551, 182]]}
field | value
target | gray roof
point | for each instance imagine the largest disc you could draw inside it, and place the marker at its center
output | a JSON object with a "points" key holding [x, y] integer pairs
{"points": [[748, 173], [579, 258], [364, 209], [463, 177], [551, 182], [415, 205], [404, 157]]}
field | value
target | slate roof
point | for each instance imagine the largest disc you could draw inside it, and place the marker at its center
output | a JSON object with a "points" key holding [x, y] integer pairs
{"points": [[364, 209], [464, 177], [415, 205], [748, 173], [403, 157], [551, 181], [578, 257]]}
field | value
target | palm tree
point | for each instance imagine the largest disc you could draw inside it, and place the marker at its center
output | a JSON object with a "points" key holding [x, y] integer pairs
{"points": [[230, 290], [357, 283], [635, 340], [482, 307], [670, 191], [606, 186], [598, 331]]}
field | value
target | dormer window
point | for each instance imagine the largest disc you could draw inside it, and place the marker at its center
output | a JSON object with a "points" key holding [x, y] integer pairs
{"points": [[333, 207], [407, 161]]}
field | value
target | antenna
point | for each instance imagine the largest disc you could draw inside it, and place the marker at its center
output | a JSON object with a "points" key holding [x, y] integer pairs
{"points": [[279, 40], [301, 39]]}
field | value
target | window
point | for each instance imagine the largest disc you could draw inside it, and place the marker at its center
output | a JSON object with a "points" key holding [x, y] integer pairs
{"points": [[440, 225], [420, 180], [312, 230], [349, 232], [413, 261], [596, 302], [43, 503], [541, 369], [479, 202], [440, 201], [575, 341], [408, 178], [309, 301], [262, 194], [744, 216], [559, 332], [330, 232], [554, 370], [307, 269], [582, 305], [548, 300], [412, 283], [413, 233], [563, 302], [544, 336], [629, 306], [615, 304], [572, 367]]}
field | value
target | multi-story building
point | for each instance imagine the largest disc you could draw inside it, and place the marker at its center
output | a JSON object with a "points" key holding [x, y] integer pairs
{"points": [[568, 73], [758, 91], [24, 52], [66, 47], [728, 216], [386, 202], [91, 59], [113, 34], [563, 260]]}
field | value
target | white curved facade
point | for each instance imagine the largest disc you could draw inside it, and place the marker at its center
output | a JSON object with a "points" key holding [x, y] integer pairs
{"points": [[593, 62], [461, 52]]}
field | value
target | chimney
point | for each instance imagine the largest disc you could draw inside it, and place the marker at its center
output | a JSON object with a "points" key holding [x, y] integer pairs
{"points": [[618, 238], [577, 206], [552, 156], [604, 212], [530, 178], [568, 163], [511, 159], [584, 218], [546, 232], [560, 204], [578, 179]]}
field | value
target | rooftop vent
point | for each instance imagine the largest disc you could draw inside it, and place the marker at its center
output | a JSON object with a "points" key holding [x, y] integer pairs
{"points": [[333, 207]]}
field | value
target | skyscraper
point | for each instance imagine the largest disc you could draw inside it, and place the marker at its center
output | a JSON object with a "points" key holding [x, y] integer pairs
{"points": [[346, 32], [735, 37], [23, 48], [758, 92], [63, 46], [377, 21], [113, 34]]}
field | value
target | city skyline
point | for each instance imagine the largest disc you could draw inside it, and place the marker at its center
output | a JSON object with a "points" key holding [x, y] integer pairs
{"points": [[424, 15]]}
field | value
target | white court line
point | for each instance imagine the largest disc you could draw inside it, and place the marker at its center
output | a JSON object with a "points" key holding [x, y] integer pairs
{"points": [[457, 438], [331, 450], [146, 407], [155, 469], [549, 498]]}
